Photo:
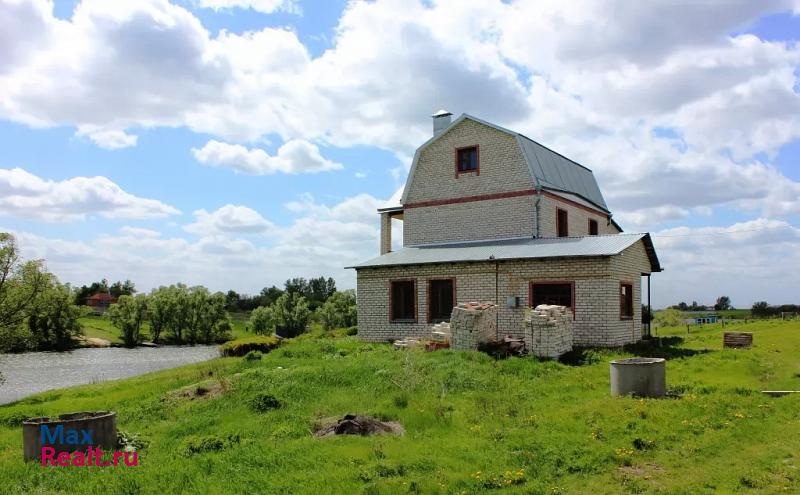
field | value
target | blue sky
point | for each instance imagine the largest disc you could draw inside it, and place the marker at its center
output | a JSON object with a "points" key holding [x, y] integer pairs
{"points": [[236, 143]]}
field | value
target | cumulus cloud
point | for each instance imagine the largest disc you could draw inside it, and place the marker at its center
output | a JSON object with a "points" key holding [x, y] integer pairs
{"points": [[26, 195], [263, 6], [232, 219], [293, 157], [321, 240], [706, 262], [109, 139]]}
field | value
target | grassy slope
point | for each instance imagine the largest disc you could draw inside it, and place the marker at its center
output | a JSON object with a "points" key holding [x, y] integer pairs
{"points": [[469, 418]]}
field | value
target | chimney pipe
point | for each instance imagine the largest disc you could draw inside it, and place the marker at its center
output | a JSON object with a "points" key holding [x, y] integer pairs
{"points": [[441, 120]]}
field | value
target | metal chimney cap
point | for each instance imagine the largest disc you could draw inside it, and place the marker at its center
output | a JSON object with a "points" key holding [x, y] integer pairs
{"points": [[441, 113]]}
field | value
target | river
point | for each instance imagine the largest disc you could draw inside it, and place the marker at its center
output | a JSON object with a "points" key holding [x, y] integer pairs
{"points": [[32, 372]]}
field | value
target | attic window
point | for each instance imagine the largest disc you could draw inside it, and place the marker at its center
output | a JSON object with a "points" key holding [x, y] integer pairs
{"points": [[467, 160], [592, 227]]}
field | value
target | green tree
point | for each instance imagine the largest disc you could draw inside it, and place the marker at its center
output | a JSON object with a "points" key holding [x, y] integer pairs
{"points": [[269, 295], [760, 308], [339, 310], [262, 320], [160, 305], [119, 288], [208, 315], [53, 322], [127, 315], [21, 283], [291, 314], [723, 303]]}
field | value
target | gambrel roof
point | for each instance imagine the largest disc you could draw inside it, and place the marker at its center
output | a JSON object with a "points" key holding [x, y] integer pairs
{"points": [[550, 170]]}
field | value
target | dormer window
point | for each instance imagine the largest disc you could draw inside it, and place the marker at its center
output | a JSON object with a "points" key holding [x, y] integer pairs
{"points": [[467, 160]]}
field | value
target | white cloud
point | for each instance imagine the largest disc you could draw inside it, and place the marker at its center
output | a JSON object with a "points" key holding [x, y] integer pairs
{"points": [[139, 231], [293, 157], [322, 240], [109, 139], [25, 195], [748, 261], [231, 219], [263, 6]]}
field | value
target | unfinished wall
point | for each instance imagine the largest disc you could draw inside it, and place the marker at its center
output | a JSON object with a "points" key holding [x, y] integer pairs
{"points": [[597, 320]]}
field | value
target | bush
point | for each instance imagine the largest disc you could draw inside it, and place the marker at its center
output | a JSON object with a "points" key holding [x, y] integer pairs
{"points": [[262, 320], [264, 402], [291, 314], [198, 445], [253, 356], [669, 317], [338, 311], [240, 347], [351, 330]]}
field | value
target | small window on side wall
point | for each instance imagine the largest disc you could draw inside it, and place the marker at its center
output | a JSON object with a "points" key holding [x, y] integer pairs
{"points": [[625, 301], [467, 160], [403, 300], [592, 227], [562, 223]]}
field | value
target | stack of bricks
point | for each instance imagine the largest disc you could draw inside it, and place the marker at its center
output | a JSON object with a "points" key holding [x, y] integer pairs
{"points": [[472, 324], [441, 333], [548, 331]]}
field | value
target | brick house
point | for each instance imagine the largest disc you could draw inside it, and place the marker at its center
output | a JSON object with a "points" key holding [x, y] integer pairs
{"points": [[491, 215]]}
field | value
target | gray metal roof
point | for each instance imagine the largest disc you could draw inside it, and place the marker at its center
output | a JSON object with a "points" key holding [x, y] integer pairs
{"points": [[550, 169], [513, 249], [555, 171]]}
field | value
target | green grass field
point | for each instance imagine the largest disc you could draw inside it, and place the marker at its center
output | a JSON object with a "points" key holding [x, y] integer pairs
{"points": [[474, 424]]}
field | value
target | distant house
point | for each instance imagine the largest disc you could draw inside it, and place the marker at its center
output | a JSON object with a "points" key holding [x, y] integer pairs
{"points": [[100, 302], [491, 215], [701, 318]]}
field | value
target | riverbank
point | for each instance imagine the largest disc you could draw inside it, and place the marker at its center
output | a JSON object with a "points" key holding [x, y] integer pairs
{"points": [[473, 424], [32, 372]]}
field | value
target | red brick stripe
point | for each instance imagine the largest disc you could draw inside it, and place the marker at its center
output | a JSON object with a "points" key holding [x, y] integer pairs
{"points": [[470, 199]]}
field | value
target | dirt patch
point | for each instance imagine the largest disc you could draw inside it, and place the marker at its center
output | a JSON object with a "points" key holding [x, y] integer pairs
{"points": [[353, 424], [204, 390], [641, 471]]}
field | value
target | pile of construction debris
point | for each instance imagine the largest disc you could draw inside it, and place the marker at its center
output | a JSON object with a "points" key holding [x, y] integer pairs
{"points": [[548, 330], [352, 424]]}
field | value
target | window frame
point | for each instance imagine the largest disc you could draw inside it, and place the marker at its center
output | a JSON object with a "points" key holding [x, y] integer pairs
{"points": [[428, 294], [623, 303], [392, 319], [558, 222], [594, 223], [571, 283], [477, 170]]}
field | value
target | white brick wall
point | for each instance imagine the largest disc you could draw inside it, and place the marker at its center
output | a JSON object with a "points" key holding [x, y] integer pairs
{"points": [[597, 303], [577, 219], [502, 169]]}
